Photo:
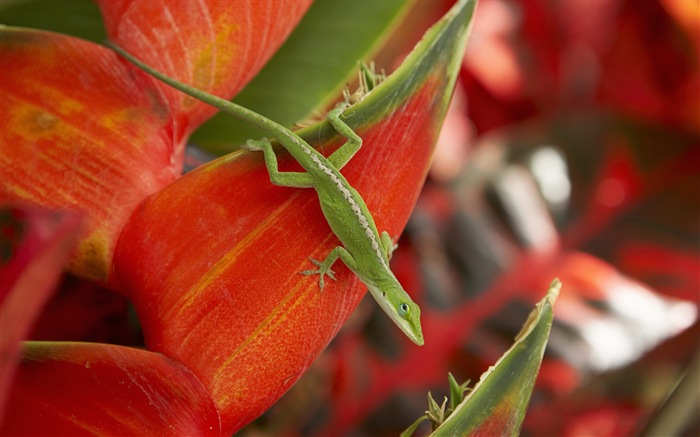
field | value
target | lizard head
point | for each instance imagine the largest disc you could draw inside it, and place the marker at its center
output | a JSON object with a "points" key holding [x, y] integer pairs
{"points": [[396, 303]]}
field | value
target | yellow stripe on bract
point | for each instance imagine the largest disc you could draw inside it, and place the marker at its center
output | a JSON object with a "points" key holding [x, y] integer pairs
{"points": [[224, 160], [225, 263], [212, 62], [85, 174], [69, 416], [92, 258], [285, 306]]}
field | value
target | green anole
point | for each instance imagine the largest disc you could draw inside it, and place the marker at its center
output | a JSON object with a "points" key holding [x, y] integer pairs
{"points": [[363, 250]]}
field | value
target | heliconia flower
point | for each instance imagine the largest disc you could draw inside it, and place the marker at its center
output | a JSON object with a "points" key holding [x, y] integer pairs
{"points": [[210, 259]]}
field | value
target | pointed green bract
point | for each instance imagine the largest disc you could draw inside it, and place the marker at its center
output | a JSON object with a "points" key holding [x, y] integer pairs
{"points": [[498, 403], [435, 61], [456, 392]]}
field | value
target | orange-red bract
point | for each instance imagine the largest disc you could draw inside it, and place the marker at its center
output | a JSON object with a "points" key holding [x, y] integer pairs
{"points": [[81, 132], [220, 257], [83, 129], [101, 389], [214, 45], [212, 261], [35, 245]]}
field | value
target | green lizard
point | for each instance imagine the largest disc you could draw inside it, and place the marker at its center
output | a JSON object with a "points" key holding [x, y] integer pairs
{"points": [[364, 250]]}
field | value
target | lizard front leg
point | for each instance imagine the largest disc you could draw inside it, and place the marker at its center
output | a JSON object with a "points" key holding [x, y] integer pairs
{"points": [[324, 268], [345, 152], [283, 179]]}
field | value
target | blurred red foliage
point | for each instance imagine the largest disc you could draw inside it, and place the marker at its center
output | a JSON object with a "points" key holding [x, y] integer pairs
{"points": [[531, 58]]}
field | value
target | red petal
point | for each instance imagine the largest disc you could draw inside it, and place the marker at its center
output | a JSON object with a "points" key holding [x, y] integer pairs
{"points": [[214, 45], [80, 132], [212, 262], [35, 246], [98, 389]]}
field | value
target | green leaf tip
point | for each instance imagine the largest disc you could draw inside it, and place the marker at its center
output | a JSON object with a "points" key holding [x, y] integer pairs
{"points": [[434, 62], [498, 402], [408, 432], [533, 318], [456, 391], [437, 414], [367, 80]]}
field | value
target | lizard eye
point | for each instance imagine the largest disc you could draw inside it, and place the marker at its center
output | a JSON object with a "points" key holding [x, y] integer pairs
{"points": [[403, 309]]}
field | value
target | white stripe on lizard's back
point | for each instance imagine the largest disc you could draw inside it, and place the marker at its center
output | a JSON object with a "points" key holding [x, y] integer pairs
{"points": [[348, 197]]}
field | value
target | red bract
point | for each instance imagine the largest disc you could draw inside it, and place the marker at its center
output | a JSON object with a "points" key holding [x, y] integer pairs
{"points": [[80, 132], [109, 135], [100, 389], [35, 246], [220, 257], [212, 45], [535, 57]]}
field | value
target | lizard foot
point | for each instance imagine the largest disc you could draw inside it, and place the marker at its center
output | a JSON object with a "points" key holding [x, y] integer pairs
{"points": [[322, 271]]}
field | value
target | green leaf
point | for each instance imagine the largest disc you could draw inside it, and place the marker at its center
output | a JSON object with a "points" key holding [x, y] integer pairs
{"points": [[309, 70], [497, 404], [414, 426], [79, 18], [436, 413], [456, 392]]}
